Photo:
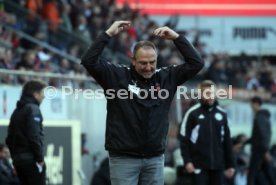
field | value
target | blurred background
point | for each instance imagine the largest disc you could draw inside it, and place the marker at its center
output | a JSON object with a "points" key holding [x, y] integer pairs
{"points": [[44, 39]]}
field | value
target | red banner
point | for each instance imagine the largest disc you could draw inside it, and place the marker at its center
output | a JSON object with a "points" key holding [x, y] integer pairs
{"points": [[204, 7]]}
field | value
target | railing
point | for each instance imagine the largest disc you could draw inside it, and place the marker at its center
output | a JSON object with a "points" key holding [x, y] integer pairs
{"points": [[59, 79], [75, 80], [45, 75]]}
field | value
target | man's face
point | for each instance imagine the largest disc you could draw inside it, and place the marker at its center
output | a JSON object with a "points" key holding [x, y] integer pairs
{"points": [[6, 153], [145, 62], [39, 96], [208, 95]]}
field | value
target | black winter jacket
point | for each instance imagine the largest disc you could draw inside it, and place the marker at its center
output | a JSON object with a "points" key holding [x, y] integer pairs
{"points": [[205, 138], [136, 126], [25, 132], [261, 132]]}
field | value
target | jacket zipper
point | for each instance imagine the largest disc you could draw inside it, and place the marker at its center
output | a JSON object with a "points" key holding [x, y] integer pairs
{"points": [[211, 139]]}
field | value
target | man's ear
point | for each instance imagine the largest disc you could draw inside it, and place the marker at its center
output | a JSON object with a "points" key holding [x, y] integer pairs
{"points": [[35, 94], [133, 61]]}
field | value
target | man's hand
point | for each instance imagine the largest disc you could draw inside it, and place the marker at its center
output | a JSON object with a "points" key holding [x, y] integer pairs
{"points": [[39, 166], [166, 33], [268, 157], [190, 167], [229, 173], [117, 27]]}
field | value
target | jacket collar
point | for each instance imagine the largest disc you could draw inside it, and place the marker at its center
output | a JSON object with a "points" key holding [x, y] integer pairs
{"points": [[26, 100], [209, 107]]}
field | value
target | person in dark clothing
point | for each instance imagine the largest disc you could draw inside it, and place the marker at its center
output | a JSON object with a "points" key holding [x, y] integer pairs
{"points": [[205, 141], [241, 159], [102, 176], [7, 172], [137, 125], [25, 135], [260, 141]]}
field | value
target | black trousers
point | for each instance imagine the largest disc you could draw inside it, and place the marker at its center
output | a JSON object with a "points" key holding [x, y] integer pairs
{"points": [[208, 177], [260, 169], [28, 174]]}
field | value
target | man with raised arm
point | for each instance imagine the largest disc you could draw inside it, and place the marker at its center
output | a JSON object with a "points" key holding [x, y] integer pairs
{"points": [[138, 101]]}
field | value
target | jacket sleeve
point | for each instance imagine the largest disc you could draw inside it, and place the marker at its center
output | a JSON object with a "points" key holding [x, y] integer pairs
{"points": [[193, 61], [228, 149], [34, 132], [97, 67], [185, 134]]}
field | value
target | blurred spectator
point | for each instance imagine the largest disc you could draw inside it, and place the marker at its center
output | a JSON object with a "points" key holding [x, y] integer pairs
{"points": [[6, 57], [27, 61], [102, 177], [7, 171], [64, 66], [97, 25], [273, 89], [35, 6], [31, 25], [217, 72], [266, 75], [65, 16], [82, 29], [252, 82], [241, 160], [50, 12]]}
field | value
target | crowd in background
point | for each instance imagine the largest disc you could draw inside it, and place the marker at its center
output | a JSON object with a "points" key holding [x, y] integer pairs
{"points": [[86, 19]]}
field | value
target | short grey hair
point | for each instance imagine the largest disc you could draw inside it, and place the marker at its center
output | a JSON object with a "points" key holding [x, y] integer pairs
{"points": [[143, 44]]}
